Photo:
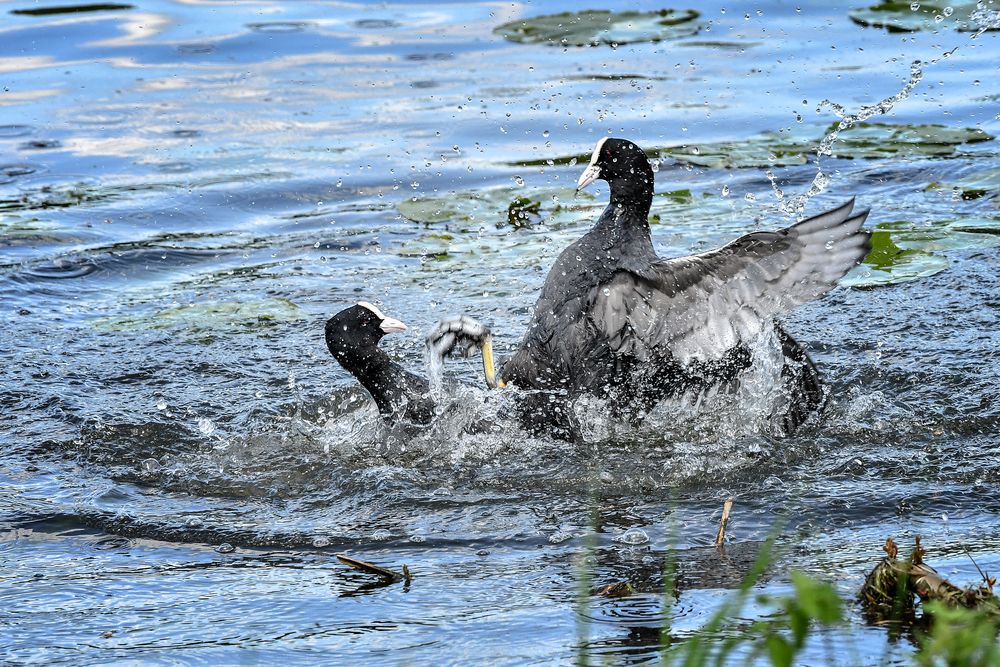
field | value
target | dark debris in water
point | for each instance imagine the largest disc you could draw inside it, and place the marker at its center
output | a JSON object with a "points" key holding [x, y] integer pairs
{"points": [[73, 9], [280, 26], [619, 589], [522, 212]]}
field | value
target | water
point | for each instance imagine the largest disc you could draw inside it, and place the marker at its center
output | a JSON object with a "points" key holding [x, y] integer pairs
{"points": [[189, 190]]}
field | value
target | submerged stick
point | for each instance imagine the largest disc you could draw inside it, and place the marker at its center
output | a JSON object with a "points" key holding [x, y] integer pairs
{"points": [[721, 535], [372, 568]]}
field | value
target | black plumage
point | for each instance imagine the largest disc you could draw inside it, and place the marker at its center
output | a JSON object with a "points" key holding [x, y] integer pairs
{"points": [[353, 335], [615, 320]]}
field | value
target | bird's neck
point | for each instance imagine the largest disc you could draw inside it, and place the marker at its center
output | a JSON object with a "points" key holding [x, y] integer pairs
{"points": [[377, 373], [633, 197]]}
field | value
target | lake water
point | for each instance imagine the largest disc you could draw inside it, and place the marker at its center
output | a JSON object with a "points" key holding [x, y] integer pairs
{"points": [[189, 189]]}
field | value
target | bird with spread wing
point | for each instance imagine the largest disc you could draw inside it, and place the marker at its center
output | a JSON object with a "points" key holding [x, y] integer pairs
{"points": [[617, 321]]}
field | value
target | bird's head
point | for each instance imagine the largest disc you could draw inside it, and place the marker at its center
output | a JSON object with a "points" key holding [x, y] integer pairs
{"points": [[358, 328], [622, 164]]}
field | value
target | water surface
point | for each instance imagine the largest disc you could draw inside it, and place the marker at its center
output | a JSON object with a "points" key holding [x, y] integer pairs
{"points": [[188, 190]]}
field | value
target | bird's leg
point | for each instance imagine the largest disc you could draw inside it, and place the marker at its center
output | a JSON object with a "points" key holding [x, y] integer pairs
{"points": [[463, 335]]}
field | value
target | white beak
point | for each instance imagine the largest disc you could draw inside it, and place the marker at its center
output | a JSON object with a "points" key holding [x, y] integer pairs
{"points": [[390, 325], [588, 176]]}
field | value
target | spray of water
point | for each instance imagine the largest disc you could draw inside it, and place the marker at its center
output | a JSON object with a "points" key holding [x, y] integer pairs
{"points": [[434, 363], [792, 207], [986, 19]]}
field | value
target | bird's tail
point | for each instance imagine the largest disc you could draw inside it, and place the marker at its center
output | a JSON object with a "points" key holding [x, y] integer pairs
{"points": [[802, 382]]}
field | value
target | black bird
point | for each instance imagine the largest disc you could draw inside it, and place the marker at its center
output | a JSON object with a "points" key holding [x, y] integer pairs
{"points": [[353, 336], [615, 320]]}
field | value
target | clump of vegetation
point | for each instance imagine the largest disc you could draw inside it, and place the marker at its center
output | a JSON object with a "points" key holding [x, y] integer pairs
{"points": [[891, 588], [522, 211], [954, 626]]}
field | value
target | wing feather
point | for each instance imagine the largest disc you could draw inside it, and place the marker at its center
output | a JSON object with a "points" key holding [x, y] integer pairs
{"points": [[699, 307]]}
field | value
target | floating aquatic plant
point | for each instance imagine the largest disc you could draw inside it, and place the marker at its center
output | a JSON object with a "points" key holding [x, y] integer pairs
{"points": [[780, 149], [496, 206], [906, 16], [221, 315], [979, 185], [598, 26], [902, 251]]}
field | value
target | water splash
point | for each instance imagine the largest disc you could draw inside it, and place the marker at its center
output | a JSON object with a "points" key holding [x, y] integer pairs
{"points": [[985, 19], [434, 362], [792, 207]]}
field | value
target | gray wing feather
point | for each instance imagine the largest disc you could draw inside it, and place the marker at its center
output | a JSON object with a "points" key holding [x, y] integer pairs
{"points": [[699, 307]]}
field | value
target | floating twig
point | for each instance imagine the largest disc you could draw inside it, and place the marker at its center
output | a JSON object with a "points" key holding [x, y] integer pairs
{"points": [[378, 570]]}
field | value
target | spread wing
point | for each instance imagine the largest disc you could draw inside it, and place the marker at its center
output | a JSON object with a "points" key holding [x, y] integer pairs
{"points": [[700, 306]]}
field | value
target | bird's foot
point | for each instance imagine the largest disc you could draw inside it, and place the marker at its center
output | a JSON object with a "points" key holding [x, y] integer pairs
{"points": [[463, 335]]}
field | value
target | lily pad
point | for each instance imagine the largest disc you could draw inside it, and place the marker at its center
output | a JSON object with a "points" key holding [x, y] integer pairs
{"points": [[906, 16], [877, 140], [978, 185], [902, 251], [779, 149], [598, 26], [770, 149], [488, 206], [468, 225], [224, 315]]}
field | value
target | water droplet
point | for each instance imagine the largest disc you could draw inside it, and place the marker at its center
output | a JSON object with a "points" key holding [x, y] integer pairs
{"points": [[573, 162], [482, 552], [545, 134], [225, 548], [948, 11], [519, 181], [914, 6], [633, 536], [725, 190], [381, 535], [320, 541], [161, 405], [750, 197], [417, 538], [456, 148], [150, 465], [193, 522], [206, 426]]}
